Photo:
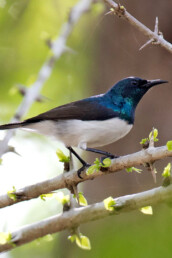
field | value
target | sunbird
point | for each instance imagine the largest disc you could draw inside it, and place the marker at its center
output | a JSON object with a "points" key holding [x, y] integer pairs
{"points": [[92, 122]]}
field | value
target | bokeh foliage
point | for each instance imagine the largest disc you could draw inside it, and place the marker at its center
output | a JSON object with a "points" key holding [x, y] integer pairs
{"points": [[24, 27]]}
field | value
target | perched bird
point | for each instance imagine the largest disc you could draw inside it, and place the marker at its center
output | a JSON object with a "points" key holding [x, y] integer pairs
{"points": [[92, 122]]}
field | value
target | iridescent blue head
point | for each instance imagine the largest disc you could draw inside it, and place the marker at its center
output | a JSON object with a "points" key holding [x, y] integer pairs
{"points": [[126, 94]]}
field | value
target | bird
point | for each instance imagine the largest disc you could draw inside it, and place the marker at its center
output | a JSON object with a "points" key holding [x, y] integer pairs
{"points": [[94, 121]]}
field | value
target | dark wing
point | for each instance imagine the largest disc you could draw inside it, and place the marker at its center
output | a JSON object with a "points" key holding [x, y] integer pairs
{"points": [[82, 110]]}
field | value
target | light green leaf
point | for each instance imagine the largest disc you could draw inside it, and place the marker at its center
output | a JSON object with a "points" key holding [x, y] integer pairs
{"points": [[1, 161], [97, 165], [63, 199], [143, 141], [167, 171], [155, 134], [97, 162], [169, 145], [82, 199], [106, 163], [94, 168], [91, 169], [147, 210], [83, 242], [62, 157], [72, 238], [131, 169], [138, 170], [5, 238], [11, 194], [44, 196], [109, 203]]}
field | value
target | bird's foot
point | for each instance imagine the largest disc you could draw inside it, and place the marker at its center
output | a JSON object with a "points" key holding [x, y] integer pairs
{"points": [[85, 165]]}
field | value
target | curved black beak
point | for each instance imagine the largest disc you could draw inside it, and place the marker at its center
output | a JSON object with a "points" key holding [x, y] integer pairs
{"points": [[151, 83]]}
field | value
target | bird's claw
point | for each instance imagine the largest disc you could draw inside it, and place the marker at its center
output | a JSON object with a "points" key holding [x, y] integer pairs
{"points": [[82, 169]]}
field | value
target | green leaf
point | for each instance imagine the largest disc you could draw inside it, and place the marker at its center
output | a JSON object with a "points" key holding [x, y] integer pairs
{"points": [[97, 165], [143, 141], [147, 210], [72, 238], [62, 157], [91, 169], [63, 199], [169, 145], [11, 194], [138, 170], [82, 199], [106, 163], [5, 238], [94, 168], [131, 169], [83, 242], [44, 196], [97, 162], [155, 134], [109, 203], [1, 161], [167, 171]]}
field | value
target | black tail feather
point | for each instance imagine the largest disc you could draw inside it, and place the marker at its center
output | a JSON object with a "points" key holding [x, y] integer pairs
{"points": [[11, 126]]}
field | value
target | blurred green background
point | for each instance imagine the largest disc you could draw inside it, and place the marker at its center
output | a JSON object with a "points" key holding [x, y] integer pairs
{"points": [[106, 50]]}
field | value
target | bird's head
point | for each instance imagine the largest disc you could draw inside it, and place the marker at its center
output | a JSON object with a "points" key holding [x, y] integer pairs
{"points": [[132, 89]]}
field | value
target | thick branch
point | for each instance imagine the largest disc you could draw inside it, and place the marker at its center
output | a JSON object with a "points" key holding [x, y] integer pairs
{"points": [[77, 216], [70, 179], [140, 26], [58, 48]]}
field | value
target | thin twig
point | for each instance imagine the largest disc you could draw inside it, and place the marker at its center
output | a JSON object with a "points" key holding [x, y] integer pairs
{"points": [[153, 36]]}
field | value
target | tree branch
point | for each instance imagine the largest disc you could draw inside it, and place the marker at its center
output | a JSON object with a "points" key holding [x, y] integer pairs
{"points": [[77, 216], [154, 36], [70, 179], [58, 47]]}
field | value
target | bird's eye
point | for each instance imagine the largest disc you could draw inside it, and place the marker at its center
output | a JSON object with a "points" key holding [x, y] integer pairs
{"points": [[134, 83]]}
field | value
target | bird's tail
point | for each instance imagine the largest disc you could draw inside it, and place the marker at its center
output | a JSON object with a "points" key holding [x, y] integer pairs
{"points": [[12, 126]]}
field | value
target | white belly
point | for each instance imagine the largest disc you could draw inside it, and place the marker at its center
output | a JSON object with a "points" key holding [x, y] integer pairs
{"points": [[84, 134]]}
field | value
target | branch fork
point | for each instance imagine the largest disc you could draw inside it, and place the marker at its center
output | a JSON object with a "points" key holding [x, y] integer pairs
{"points": [[154, 41]]}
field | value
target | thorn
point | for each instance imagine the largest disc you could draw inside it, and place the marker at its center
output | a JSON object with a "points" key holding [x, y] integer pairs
{"points": [[151, 140], [11, 149], [153, 40], [156, 25], [75, 190], [153, 172], [147, 43], [109, 12]]}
